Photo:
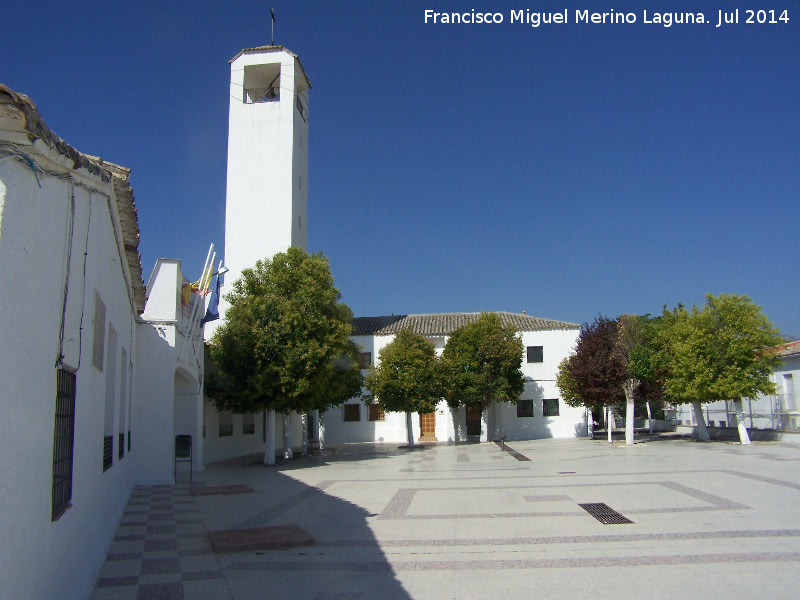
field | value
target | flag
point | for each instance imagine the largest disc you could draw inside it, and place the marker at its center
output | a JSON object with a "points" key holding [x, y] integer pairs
{"points": [[272, 14], [201, 287], [212, 312]]}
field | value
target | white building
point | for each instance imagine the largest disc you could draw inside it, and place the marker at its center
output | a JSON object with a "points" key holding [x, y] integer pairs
{"points": [[170, 350], [72, 289], [540, 413]]}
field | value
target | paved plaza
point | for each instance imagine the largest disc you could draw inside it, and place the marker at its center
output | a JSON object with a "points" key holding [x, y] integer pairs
{"points": [[469, 521]]}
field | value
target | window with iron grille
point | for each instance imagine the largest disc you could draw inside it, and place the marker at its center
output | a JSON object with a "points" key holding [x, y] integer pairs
{"points": [[121, 445], [225, 424], [364, 360], [525, 408], [63, 442], [550, 407], [376, 413], [352, 412], [108, 452], [535, 354], [248, 424]]}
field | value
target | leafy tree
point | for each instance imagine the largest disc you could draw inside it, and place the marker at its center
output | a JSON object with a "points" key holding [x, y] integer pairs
{"points": [[481, 365], [595, 373], [285, 343], [406, 377], [722, 351], [634, 349]]}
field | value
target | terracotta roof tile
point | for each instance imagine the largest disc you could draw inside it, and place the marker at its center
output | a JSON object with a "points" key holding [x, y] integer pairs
{"points": [[446, 323]]}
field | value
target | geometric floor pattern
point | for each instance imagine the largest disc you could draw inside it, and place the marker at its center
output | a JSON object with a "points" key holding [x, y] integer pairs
{"points": [[466, 521]]}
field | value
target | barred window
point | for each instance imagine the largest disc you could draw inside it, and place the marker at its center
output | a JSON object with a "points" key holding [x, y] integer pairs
{"points": [[376, 413], [525, 408], [352, 412], [63, 442], [550, 407], [364, 360]]}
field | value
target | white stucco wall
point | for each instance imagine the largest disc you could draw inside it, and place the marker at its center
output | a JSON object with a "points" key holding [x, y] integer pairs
{"points": [[267, 188], [42, 247], [540, 384], [170, 395]]}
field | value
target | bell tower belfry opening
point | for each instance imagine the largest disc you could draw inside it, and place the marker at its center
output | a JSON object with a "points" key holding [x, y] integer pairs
{"points": [[266, 203]]}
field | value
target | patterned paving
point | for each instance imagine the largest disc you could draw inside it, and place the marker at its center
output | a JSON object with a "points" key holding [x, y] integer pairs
{"points": [[461, 522], [160, 551]]}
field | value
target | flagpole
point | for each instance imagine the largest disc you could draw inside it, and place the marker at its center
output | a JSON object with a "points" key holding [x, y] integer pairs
{"points": [[212, 255]]}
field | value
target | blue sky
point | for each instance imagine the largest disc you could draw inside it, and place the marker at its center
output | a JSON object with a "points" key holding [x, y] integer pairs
{"points": [[567, 170]]}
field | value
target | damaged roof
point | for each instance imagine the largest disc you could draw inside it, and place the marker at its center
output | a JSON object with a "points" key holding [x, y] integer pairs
{"points": [[21, 121], [446, 323]]}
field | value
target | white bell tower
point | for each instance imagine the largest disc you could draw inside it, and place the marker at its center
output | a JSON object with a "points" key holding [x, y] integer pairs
{"points": [[266, 206]]}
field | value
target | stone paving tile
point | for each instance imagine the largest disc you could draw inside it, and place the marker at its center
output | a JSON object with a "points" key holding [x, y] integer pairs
{"points": [[714, 523]]}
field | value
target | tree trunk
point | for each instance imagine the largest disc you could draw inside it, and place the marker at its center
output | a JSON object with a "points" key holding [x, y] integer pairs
{"points": [[609, 423], [304, 435], [628, 387], [484, 423], [649, 418], [410, 430], [269, 449], [589, 423], [702, 432], [321, 433], [287, 438], [744, 437]]}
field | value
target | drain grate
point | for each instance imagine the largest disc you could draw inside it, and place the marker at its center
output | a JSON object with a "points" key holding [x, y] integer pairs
{"points": [[605, 514]]}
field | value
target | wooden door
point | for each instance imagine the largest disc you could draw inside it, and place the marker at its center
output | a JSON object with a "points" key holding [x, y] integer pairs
{"points": [[473, 420], [427, 426]]}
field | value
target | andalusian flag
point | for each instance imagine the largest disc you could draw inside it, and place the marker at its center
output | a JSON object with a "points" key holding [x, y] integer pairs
{"points": [[200, 287]]}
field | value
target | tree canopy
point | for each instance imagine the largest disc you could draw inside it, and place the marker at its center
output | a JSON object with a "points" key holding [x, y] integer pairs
{"points": [[481, 363], [722, 351], [406, 376], [594, 374], [285, 342]]}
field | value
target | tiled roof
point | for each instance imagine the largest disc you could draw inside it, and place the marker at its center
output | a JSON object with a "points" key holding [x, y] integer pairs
{"points": [[790, 349], [23, 126], [446, 323]]}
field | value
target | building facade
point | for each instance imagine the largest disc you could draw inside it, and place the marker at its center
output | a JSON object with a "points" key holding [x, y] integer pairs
{"points": [[72, 292]]}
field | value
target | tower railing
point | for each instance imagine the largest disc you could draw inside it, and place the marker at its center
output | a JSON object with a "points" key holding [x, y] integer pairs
{"points": [[257, 95]]}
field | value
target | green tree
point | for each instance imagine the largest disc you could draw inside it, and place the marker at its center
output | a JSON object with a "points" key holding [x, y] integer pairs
{"points": [[481, 365], [285, 343], [634, 347], [722, 351], [406, 377]]}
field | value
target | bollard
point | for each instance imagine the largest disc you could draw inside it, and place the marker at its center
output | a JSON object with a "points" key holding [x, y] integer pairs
{"points": [[502, 443]]}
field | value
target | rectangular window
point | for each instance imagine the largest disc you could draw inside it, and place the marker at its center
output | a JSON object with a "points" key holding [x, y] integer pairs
{"points": [[364, 360], [225, 424], [63, 442], [352, 412], [550, 407], [525, 408], [108, 452], [375, 413], [248, 424], [535, 354], [99, 325]]}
